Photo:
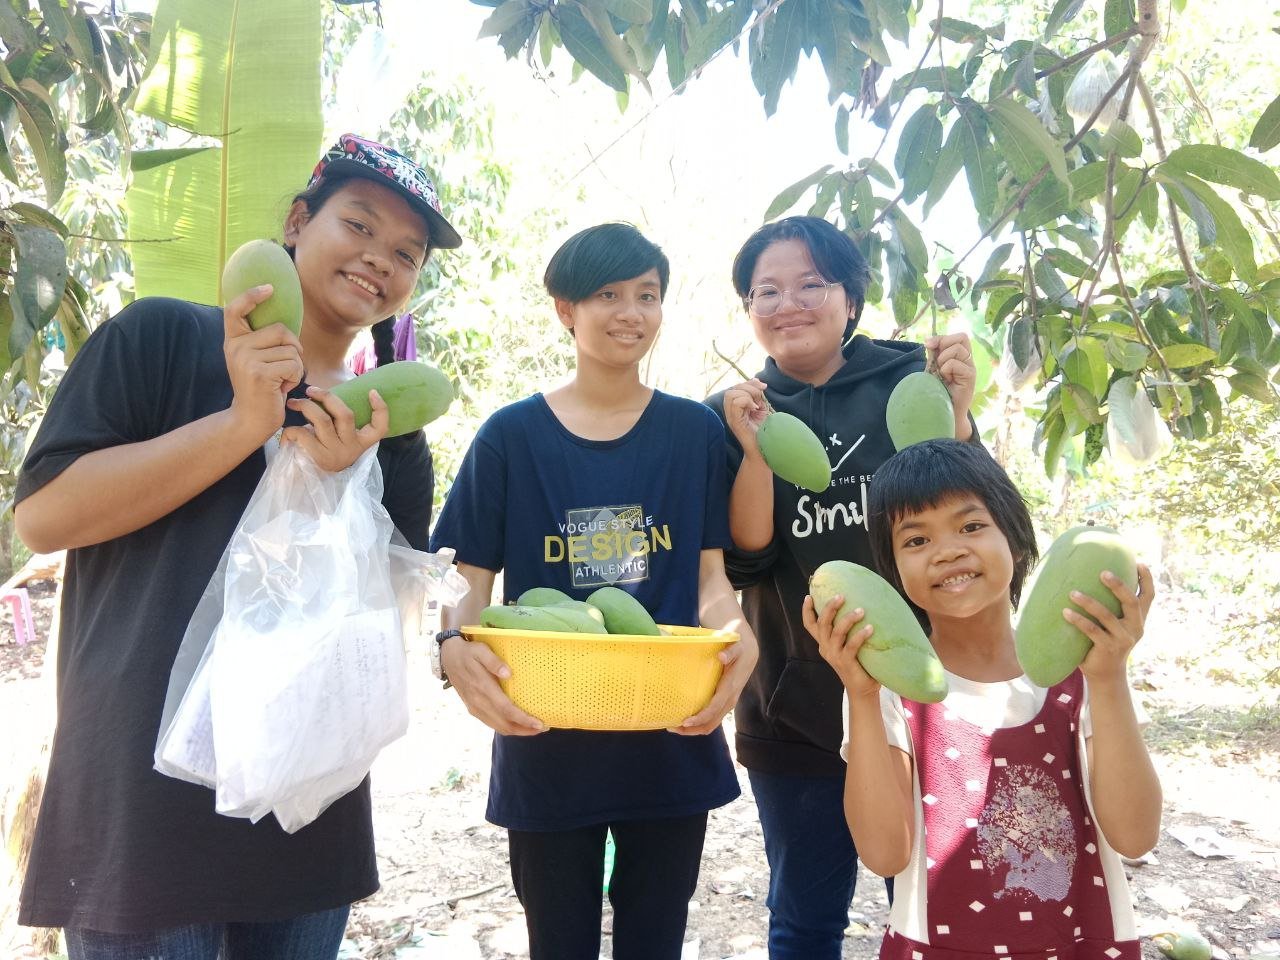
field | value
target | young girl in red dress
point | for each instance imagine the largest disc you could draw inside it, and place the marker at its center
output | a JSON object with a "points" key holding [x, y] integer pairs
{"points": [[1002, 811]]}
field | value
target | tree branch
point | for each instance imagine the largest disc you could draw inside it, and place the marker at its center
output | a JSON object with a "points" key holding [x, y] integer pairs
{"points": [[1088, 52], [1188, 265]]}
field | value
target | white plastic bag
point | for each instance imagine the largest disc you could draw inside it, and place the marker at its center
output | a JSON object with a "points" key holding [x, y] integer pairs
{"points": [[291, 675]]}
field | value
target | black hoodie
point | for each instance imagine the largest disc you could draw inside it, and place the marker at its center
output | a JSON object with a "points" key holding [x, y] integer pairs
{"points": [[789, 717]]}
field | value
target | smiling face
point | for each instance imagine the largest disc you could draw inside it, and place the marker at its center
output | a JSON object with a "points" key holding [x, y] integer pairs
{"points": [[358, 255], [953, 559], [805, 343], [616, 325]]}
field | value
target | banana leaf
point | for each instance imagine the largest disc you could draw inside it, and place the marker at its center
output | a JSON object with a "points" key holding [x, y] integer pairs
{"points": [[245, 79]]}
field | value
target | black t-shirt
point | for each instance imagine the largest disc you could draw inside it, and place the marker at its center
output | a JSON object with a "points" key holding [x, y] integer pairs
{"points": [[119, 847]]}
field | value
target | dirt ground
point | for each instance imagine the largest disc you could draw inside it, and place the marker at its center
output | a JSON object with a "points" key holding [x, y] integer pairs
{"points": [[446, 893]]}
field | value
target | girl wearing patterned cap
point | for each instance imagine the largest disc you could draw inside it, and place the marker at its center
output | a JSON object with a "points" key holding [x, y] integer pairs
{"points": [[1003, 811], [149, 452]]}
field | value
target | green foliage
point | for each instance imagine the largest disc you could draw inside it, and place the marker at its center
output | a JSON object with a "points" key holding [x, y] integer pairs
{"points": [[65, 78], [1063, 150], [243, 78]]}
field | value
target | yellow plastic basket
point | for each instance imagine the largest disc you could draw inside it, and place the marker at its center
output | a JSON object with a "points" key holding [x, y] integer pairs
{"points": [[593, 681]]}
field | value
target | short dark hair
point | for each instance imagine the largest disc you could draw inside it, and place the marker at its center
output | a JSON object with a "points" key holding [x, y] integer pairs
{"points": [[600, 255], [926, 474], [834, 253]]}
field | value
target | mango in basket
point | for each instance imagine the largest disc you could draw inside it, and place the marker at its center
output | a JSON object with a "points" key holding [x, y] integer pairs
{"points": [[554, 619], [543, 597], [623, 613]]}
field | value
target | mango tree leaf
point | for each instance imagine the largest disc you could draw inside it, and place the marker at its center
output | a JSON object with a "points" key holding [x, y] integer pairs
{"points": [[1080, 407], [787, 198], [888, 16], [1227, 167], [1126, 355], [1179, 356], [39, 279], [913, 246], [1206, 227], [1232, 235], [961, 31], [994, 262], [918, 148], [776, 56], [1051, 284], [674, 47], [1251, 385], [720, 29], [632, 11], [1084, 362], [1025, 141], [39, 215], [979, 158], [1123, 139], [1124, 202], [585, 46], [1118, 16], [842, 129], [245, 74], [44, 137], [1063, 11], [950, 160], [1048, 201], [504, 17], [1068, 263], [1266, 133]]}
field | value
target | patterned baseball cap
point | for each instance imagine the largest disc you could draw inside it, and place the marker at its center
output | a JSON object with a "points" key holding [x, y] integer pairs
{"points": [[374, 161]]}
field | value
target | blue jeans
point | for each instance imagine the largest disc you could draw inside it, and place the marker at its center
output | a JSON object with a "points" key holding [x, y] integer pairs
{"points": [[313, 936], [813, 865]]}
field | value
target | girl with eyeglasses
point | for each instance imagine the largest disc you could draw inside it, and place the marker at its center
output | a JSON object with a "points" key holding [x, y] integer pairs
{"points": [[803, 284]]}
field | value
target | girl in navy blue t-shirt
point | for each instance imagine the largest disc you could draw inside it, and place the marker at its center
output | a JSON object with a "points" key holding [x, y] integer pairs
{"points": [[542, 478]]}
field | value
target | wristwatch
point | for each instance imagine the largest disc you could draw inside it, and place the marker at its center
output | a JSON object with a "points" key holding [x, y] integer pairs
{"points": [[433, 653]]}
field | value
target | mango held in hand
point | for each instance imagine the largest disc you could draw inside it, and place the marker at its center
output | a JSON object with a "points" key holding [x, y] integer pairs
{"points": [[623, 613], [415, 394], [919, 409], [552, 619], [264, 261], [1048, 647], [794, 452], [897, 654]]}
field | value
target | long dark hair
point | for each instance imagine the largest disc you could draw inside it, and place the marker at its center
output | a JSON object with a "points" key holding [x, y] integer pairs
{"points": [[314, 198], [836, 256]]}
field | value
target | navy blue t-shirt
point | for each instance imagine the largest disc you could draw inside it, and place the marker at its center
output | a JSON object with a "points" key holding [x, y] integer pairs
{"points": [[552, 509]]}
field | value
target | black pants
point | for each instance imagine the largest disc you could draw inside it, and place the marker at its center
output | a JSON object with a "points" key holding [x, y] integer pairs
{"points": [[559, 876]]}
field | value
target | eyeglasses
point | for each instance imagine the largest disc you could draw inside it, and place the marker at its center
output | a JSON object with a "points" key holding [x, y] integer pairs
{"points": [[766, 300]]}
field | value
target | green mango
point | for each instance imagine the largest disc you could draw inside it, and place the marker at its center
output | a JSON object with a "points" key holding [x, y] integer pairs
{"points": [[897, 654], [794, 452], [542, 597], [582, 607], [1183, 946], [264, 261], [623, 613], [1048, 647], [415, 394], [554, 619], [919, 409]]}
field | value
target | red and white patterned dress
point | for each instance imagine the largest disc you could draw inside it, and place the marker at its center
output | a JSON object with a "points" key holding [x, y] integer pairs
{"points": [[1008, 862]]}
